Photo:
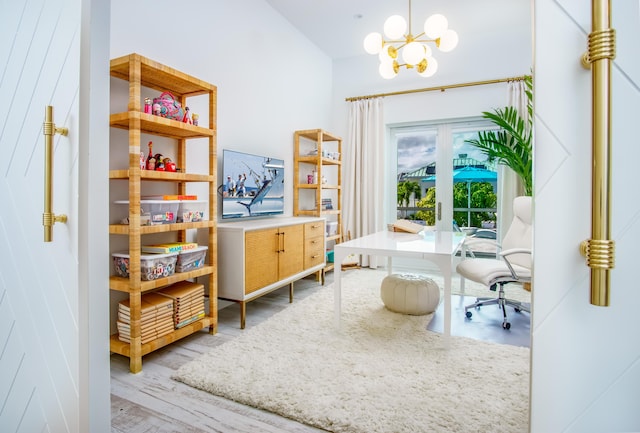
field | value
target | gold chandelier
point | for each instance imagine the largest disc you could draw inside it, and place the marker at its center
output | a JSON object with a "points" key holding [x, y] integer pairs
{"points": [[415, 51]]}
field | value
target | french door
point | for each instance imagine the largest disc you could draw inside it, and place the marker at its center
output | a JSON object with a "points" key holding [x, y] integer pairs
{"points": [[437, 171]]}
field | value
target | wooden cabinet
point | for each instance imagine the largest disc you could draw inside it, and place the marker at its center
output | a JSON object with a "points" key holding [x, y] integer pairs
{"points": [[282, 246], [317, 178], [256, 257], [140, 73]]}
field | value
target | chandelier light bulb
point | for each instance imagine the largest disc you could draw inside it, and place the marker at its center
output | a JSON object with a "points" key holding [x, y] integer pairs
{"points": [[373, 43], [432, 68], [394, 27], [448, 41], [435, 26], [387, 54], [413, 53], [387, 70]]}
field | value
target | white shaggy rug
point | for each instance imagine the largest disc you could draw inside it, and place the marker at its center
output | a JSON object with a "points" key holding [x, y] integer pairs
{"points": [[383, 372]]}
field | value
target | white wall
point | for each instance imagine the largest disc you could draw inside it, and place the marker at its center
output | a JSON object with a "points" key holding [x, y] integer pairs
{"points": [[270, 80]]}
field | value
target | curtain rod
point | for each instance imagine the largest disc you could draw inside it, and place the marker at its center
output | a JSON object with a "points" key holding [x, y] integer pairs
{"points": [[441, 88]]}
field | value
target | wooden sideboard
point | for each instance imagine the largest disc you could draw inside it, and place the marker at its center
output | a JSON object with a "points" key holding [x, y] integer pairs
{"points": [[256, 257]]}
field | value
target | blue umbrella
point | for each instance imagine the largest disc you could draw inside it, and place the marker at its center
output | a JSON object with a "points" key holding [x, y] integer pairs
{"points": [[469, 175]]}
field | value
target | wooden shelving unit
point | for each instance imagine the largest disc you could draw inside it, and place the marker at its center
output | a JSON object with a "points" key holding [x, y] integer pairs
{"points": [[320, 151], [142, 72]]}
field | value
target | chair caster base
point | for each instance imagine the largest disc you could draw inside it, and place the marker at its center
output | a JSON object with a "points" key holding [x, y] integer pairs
{"points": [[506, 325]]}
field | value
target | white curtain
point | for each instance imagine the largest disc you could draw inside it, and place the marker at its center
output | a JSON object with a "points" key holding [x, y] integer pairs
{"points": [[509, 184], [364, 171]]}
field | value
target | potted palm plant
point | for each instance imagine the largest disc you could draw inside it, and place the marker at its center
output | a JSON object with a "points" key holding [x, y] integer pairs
{"points": [[511, 145]]}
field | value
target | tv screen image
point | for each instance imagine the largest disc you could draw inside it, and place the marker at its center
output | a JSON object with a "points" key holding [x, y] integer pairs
{"points": [[253, 185]]}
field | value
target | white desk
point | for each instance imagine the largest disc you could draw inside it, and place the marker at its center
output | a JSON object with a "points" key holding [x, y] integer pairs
{"points": [[439, 247]]}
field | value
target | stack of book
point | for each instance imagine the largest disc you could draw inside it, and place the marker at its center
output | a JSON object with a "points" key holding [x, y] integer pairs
{"points": [[188, 302], [156, 318], [173, 247], [326, 204], [170, 197]]}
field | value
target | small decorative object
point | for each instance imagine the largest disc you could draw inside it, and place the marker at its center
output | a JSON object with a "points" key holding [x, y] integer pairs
{"points": [[324, 180], [155, 108], [186, 118], [169, 107], [143, 161], [194, 118], [147, 105], [169, 165], [159, 162], [310, 178], [151, 161]]}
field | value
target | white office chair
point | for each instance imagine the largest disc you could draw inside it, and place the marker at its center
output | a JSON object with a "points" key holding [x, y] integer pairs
{"points": [[514, 264]]}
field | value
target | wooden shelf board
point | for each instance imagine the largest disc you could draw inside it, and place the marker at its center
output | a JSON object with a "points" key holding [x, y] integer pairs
{"points": [[312, 134], [123, 348], [162, 176], [313, 159], [333, 237], [161, 126], [123, 229], [160, 77], [122, 284]]}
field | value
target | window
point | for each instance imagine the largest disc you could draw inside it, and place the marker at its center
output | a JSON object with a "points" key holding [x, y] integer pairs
{"points": [[440, 177]]}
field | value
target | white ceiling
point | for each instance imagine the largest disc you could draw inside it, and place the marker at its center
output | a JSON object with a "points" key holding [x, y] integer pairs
{"points": [[338, 27]]}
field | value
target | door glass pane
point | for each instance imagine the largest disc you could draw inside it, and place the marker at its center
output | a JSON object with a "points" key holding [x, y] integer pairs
{"points": [[475, 191], [416, 149]]}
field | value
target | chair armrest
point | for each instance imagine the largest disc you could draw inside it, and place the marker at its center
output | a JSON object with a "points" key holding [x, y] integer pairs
{"points": [[506, 253], [515, 251]]}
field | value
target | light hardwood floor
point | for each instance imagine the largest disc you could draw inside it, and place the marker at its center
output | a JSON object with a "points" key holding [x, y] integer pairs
{"points": [[153, 402]]}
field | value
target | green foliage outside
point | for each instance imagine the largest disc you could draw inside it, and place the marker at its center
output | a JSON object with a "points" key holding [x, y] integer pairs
{"points": [[512, 143], [405, 190], [482, 196]]}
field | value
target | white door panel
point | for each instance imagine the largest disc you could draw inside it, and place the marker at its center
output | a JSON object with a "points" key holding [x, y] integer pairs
{"points": [[41, 373], [585, 359]]}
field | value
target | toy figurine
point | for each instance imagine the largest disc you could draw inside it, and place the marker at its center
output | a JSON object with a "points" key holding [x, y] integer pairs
{"points": [[151, 161], [187, 117], [147, 105], [195, 118]]}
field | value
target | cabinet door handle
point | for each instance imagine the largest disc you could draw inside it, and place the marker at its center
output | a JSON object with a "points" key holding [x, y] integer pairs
{"points": [[49, 129]]}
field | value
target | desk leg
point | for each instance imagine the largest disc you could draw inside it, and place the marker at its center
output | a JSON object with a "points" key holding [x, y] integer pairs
{"points": [[339, 257], [446, 273], [389, 265], [446, 265]]}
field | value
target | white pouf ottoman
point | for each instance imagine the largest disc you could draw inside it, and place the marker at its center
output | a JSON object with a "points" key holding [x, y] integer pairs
{"points": [[410, 294]]}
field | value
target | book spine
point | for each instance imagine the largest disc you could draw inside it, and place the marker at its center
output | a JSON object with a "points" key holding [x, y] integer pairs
{"points": [[179, 197]]}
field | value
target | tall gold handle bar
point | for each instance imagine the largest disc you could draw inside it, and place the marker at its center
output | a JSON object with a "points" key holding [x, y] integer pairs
{"points": [[599, 251], [48, 217]]}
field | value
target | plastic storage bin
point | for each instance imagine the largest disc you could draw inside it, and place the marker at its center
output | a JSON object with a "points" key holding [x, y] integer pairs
{"points": [[191, 259], [332, 228], [159, 211], [191, 211], [152, 266]]}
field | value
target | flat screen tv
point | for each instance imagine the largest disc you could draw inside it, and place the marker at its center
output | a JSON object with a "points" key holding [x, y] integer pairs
{"points": [[252, 185]]}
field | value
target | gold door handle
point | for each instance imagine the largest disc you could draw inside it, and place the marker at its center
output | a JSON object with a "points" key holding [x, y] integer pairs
{"points": [[600, 249], [48, 217]]}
